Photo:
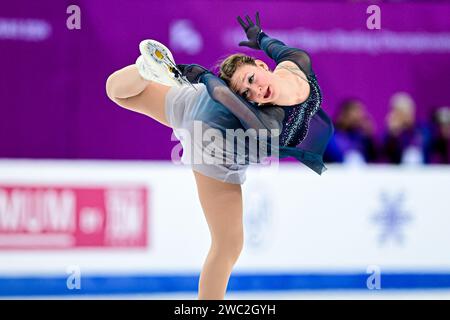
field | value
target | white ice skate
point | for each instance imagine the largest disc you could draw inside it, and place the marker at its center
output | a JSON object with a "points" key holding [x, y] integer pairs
{"points": [[156, 63]]}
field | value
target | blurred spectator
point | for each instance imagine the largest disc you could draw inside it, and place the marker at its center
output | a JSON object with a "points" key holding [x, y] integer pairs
{"points": [[353, 140], [440, 143], [404, 141]]}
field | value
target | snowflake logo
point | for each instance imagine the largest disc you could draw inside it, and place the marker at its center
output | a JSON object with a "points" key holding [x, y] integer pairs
{"points": [[392, 218], [258, 215]]}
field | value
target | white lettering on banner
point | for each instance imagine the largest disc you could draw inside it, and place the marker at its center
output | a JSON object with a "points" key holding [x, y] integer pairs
{"points": [[37, 211], [125, 222], [185, 38], [355, 41], [91, 220], [25, 29], [51, 217]]}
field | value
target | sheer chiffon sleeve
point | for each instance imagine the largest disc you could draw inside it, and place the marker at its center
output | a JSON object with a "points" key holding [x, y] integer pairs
{"points": [[280, 52], [251, 116], [309, 151]]}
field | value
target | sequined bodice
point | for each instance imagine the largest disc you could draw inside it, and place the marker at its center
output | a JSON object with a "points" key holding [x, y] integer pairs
{"points": [[297, 117]]}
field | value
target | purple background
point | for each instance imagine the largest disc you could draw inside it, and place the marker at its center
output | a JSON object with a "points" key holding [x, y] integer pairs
{"points": [[53, 101]]}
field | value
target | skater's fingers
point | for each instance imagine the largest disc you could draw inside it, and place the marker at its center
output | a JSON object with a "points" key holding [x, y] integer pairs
{"points": [[242, 23], [250, 22], [257, 20]]}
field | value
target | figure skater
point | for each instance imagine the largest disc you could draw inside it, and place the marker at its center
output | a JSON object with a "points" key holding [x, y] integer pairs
{"points": [[153, 89], [139, 88]]}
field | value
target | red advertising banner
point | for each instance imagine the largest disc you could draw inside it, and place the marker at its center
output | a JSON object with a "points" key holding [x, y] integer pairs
{"points": [[64, 217]]}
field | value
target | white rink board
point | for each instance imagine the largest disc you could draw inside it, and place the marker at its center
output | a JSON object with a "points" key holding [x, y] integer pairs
{"points": [[295, 220]]}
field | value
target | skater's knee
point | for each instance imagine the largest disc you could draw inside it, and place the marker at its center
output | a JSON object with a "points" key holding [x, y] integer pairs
{"points": [[230, 248]]}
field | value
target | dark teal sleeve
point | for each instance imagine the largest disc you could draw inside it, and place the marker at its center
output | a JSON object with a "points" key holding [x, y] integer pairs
{"points": [[309, 152], [280, 52]]}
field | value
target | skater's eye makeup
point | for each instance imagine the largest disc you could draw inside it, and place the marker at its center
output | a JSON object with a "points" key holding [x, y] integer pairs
{"points": [[251, 78]]}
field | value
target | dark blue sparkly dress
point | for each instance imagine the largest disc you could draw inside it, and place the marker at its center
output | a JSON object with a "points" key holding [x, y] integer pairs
{"points": [[307, 129], [304, 129]]}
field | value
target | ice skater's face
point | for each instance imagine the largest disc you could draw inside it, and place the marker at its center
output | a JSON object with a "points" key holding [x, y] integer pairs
{"points": [[255, 83]]}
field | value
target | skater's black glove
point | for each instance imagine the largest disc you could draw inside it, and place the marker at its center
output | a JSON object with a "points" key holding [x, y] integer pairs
{"points": [[192, 72], [252, 30]]}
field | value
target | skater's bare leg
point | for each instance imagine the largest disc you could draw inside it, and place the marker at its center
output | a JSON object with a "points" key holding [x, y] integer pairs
{"points": [[129, 90], [222, 206]]}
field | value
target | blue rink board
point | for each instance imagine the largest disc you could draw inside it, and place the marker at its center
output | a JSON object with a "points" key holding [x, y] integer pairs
{"points": [[141, 284]]}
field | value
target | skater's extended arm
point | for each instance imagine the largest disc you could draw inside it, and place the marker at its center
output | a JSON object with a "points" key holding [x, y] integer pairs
{"points": [[274, 48], [280, 52]]}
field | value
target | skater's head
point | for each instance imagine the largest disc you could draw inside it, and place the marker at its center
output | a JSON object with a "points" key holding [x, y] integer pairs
{"points": [[250, 78]]}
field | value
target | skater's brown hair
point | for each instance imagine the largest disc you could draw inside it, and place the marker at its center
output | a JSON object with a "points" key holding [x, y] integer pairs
{"points": [[229, 65]]}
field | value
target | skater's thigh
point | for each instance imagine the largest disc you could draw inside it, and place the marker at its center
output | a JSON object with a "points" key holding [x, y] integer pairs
{"points": [[151, 102], [222, 206]]}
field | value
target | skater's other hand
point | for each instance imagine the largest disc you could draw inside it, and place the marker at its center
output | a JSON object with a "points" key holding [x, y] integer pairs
{"points": [[252, 31], [192, 72]]}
